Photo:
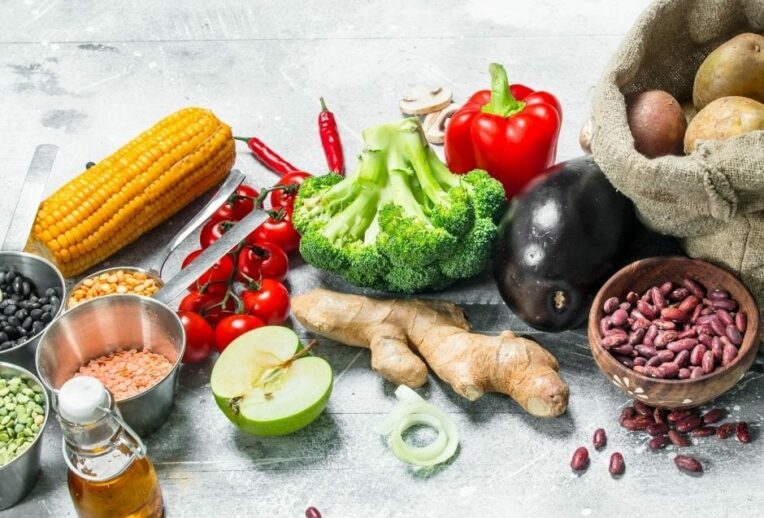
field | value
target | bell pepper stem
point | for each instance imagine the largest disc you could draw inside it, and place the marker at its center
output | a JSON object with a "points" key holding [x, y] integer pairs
{"points": [[502, 101]]}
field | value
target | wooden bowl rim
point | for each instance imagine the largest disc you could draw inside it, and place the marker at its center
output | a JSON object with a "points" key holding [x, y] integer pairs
{"points": [[750, 339]]}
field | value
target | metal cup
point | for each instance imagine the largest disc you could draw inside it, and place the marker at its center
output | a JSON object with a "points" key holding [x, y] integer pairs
{"points": [[109, 324], [44, 275], [18, 477]]}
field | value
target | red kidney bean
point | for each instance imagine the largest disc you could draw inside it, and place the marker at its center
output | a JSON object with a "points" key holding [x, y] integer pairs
{"points": [[675, 314], [640, 369], [632, 297], [741, 321], [679, 415], [704, 329], [718, 294], [619, 317], [604, 325], [713, 416], [643, 408], [659, 302], [664, 338], [657, 429], [626, 360], [659, 415], [650, 335], [625, 349], [728, 354], [646, 310], [627, 412], [677, 439], [686, 463], [666, 288], [645, 350], [707, 311], [696, 372], [637, 423], [718, 327], [312, 512], [708, 362], [655, 361], [696, 357], [706, 319], [616, 331], [684, 374], [684, 344], [640, 361], [725, 430], [611, 341], [679, 294], [639, 324], [728, 304], [725, 317], [688, 424], [599, 439], [704, 431], [636, 337], [626, 306], [616, 465], [669, 370], [665, 355], [696, 313], [664, 324], [610, 305], [658, 442], [741, 430], [688, 333], [580, 459], [705, 339], [688, 304], [694, 287], [734, 335], [682, 359]]}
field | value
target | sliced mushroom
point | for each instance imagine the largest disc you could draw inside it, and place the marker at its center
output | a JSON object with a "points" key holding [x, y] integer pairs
{"points": [[422, 100], [434, 124]]}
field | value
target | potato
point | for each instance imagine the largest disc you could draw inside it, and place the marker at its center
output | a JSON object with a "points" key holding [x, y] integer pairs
{"points": [[723, 119], [657, 123], [736, 68]]}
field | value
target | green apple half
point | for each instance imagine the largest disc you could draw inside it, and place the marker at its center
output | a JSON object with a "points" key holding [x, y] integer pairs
{"points": [[265, 386]]}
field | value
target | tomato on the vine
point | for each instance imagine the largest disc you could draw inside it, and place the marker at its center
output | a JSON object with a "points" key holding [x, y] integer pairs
{"points": [[277, 230], [216, 277], [206, 304], [200, 337], [213, 230], [270, 302], [233, 326], [262, 260], [238, 205], [281, 198]]}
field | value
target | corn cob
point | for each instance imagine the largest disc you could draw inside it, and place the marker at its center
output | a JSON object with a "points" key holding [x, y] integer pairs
{"points": [[130, 192]]}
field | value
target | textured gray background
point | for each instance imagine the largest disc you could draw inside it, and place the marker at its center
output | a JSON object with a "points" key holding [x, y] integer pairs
{"points": [[89, 75]]}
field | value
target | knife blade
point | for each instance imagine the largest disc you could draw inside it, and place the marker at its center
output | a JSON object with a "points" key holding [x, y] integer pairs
{"points": [[180, 282]]}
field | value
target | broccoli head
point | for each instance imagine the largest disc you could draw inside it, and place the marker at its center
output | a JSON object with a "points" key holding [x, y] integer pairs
{"points": [[403, 222]]}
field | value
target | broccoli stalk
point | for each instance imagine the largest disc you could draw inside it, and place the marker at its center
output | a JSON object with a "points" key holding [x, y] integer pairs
{"points": [[403, 222]]}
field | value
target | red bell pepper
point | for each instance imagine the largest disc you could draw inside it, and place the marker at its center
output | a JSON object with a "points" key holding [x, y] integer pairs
{"points": [[509, 131]]}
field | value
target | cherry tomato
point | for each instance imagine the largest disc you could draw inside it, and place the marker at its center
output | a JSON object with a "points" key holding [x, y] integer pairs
{"points": [[283, 199], [216, 277], [202, 303], [237, 205], [200, 337], [277, 231], [212, 230], [231, 327], [270, 302], [262, 260]]}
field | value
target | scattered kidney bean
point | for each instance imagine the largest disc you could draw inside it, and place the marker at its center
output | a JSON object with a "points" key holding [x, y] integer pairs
{"points": [[741, 321], [616, 465], [686, 463], [599, 439], [636, 423], [713, 416], [312, 512], [643, 408], [725, 430], [580, 459], [657, 429], [677, 439], [704, 431], [741, 430], [627, 412], [659, 415], [688, 424], [658, 442], [679, 415]]}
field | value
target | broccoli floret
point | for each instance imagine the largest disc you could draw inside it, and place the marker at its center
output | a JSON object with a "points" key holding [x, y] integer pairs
{"points": [[403, 222]]}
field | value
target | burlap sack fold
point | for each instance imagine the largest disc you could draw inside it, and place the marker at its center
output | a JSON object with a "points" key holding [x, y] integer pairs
{"points": [[714, 198]]}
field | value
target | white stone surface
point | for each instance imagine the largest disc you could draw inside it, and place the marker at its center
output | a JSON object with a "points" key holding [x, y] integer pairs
{"points": [[89, 75]]}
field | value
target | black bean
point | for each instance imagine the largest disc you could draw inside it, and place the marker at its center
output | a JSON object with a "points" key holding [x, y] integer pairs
{"points": [[6, 345], [55, 301], [46, 308], [10, 331], [37, 327], [21, 340], [27, 323], [2, 276], [35, 314], [13, 321], [26, 288], [9, 310], [46, 317], [21, 331], [11, 275], [4, 303], [51, 292], [18, 285], [3, 337], [21, 314]]}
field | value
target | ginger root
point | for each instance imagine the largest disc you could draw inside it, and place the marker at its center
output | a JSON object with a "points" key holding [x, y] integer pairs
{"points": [[396, 330]]}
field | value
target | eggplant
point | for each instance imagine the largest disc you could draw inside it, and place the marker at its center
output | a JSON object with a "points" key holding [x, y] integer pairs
{"points": [[562, 237]]}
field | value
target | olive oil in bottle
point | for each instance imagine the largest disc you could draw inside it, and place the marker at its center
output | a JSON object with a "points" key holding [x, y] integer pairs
{"points": [[110, 475]]}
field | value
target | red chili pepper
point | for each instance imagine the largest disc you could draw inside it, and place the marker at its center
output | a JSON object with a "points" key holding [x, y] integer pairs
{"points": [[268, 157], [330, 140], [511, 132]]}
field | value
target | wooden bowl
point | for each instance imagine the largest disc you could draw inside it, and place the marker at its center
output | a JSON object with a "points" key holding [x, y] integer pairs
{"points": [[674, 393]]}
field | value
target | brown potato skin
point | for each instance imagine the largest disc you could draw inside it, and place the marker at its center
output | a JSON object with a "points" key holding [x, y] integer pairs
{"points": [[657, 123], [735, 68], [723, 119]]}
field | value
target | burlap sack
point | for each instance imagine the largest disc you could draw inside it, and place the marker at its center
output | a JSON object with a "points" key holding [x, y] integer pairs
{"points": [[714, 198]]}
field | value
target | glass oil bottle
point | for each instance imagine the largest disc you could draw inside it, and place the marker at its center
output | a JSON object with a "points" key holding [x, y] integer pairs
{"points": [[110, 475]]}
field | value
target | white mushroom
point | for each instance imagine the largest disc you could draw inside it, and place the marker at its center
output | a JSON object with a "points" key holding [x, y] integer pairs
{"points": [[422, 100], [434, 124]]}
